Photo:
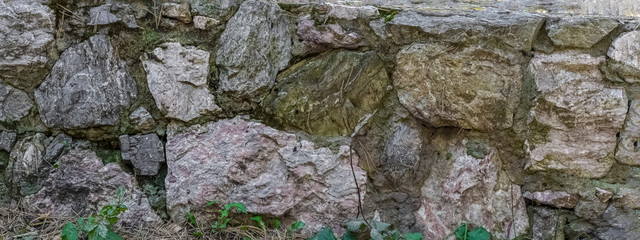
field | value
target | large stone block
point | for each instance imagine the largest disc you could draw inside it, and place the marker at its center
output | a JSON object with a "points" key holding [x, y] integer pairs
{"points": [[145, 152]]}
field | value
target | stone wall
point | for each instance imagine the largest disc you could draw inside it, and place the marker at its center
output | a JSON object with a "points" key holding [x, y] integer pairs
{"points": [[524, 123]]}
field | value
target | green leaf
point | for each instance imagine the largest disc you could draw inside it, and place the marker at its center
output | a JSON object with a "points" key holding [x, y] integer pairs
{"points": [[413, 236], [211, 203], [197, 234], [355, 226], [479, 233], [69, 232], [349, 235], [380, 226], [102, 230], [376, 235], [192, 219], [461, 231], [324, 234], [89, 225], [260, 222], [111, 235], [297, 226], [239, 206], [276, 223]]}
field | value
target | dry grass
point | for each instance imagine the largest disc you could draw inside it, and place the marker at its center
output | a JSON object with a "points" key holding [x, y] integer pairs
{"points": [[20, 223]]}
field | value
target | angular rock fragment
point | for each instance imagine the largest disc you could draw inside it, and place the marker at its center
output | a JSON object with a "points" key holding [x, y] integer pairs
{"points": [[180, 12], [317, 38], [87, 87], [142, 119], [473, 88], [547, 224], [576, 118], [628, 146], [82, 185], [270, 171], [218, 9], [556, 199], [204, 23], [23, 172], [626, 49], [331, 94], [254, 46], [345, 12], [145, 152], [7, 139], [582, 32], [14, 103], [111, 13], [177, 78], [57, 147]]}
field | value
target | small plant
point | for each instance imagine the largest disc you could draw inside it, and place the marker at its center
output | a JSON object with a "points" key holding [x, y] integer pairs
{"points": [[479, 233], [98, 226], [222, 221], [379, 231], [388, 16]]}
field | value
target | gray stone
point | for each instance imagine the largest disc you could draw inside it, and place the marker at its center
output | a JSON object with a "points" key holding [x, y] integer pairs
{"points": [[177, 78], [270, 171], [145, 152], [627, 147], [317, 38], [457, 191], [111, 13], [7, 139], [87, 87], [626, 49], [23, 172], [627, 197], [142, 120], [603, 194], [576, 118], [218, 9], [14, 104], [26, 30], [345, 12], [559, 199], [590, 207], [516, 29], [582, 32], [329, 95], [255, 45], [180, 12], [472, 88], [204, 23], [547, 224], [82, 185], [617, 223], [60, 144]]}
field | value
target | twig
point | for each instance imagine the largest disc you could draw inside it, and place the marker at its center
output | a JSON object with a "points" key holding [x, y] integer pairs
{"points": [[355, 180]]}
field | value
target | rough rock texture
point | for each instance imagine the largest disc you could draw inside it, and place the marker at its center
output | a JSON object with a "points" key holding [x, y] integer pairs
{"points": [[555, 199], [270, 171], [327, 36], [112, 13], [7, 139], [547, 224], [26, 30], [576, 118], [255, 45], [59, 145], [180, 12], [330, 95], [473, 88], [349, 12], [628, 197], [204, 23], [87, 87], [26, 164], [145, 152], [516, 29], [14, 103], [82, 184], [626, 49], [590, 206], [455, 192], [582, 32], [218, 9], [142, 119], [627, 147], [177, 79], [617, 223]]}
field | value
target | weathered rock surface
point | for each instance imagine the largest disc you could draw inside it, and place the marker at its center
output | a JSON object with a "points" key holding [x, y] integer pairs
{"points": [[473, 88], [617, 223], [517, 30], [271, 172], [627, 197], [7, 139], [111, 13], [582, 32], [547, 224], [557, 199], [26, 30], [218, 9], [576, 118], [348, 12], [14, 103], [603, 194], [456, 192], [204, 23], [331, 94], [145, 152], [87, 87], [317, 38], [590, 206], [142, 119], [60, 144], [82, 185], [626, 49], [177, 78], [180, 12], [255, 45], [627, 147], [25, 165]]}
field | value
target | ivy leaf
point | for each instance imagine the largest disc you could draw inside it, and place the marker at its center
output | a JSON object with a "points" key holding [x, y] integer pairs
{"points": [[376, 235], [355, 226], [413, 236], [380, 226], [479, 234], [461, 231], [69, 232], [324, 234], [349, 235], [111, 235], [297, 226]]}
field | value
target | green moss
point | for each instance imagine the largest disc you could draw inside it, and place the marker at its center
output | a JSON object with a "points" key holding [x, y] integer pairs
{"points": [[477, 149], [109, 156]]}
